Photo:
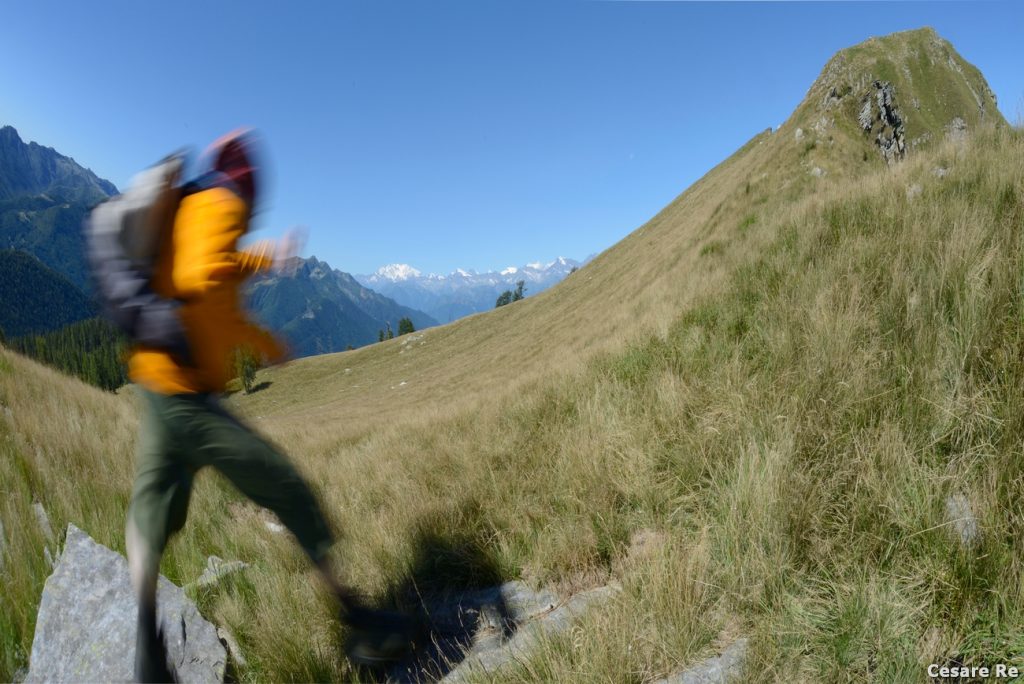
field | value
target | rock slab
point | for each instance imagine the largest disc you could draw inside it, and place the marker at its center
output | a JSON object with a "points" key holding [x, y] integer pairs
{"points": [[722, 669], [85, 629], [476, 632], [487, 655]]}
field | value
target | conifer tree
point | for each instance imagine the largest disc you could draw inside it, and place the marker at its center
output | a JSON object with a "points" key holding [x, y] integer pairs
{"points": [[518, 294], [246, 364]]}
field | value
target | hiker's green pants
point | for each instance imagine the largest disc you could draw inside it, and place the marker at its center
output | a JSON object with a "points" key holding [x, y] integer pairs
{"points": [[182, 433]]}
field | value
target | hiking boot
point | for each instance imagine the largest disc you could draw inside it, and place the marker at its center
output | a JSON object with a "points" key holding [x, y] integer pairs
{"points": [[378, 637], [151, 658]]}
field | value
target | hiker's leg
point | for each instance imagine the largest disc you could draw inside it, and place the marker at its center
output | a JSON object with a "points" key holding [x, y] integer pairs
{"points": [[270, 480], [266, 477], [158, 509]]}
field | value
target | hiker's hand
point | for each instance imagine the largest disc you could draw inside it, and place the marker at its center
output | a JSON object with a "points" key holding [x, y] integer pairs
{"points": [[288, 250]]}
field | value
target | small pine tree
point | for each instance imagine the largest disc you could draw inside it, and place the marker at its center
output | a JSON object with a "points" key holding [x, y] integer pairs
{"points": [[518, 294], [503, 299], [246, 364], [391, 333], [380, 335], [405, 326]]}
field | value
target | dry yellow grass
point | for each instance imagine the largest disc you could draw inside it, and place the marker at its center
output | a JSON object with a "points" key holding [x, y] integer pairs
{"points": [[750, 413]]}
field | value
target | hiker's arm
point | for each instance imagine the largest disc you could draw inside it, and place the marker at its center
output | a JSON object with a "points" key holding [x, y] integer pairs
{"points": [[280, 256], [206, 246], [257, 257]]}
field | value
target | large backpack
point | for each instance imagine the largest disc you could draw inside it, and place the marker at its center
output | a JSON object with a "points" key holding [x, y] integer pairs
{"points": [[123, 239]]}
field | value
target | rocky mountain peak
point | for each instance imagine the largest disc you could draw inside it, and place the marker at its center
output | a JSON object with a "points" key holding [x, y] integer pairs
{"points": [[897, 92], [32, 169]]}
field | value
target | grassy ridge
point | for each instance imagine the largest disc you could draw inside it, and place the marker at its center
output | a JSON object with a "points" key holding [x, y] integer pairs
{"points": [[775, 462]]}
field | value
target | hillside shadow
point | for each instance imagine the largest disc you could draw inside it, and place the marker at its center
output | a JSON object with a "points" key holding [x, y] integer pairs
{"points": [[453, 587], [231, 391]]}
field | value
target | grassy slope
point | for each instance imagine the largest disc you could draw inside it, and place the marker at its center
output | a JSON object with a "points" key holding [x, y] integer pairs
{"points": [[750, 412]]}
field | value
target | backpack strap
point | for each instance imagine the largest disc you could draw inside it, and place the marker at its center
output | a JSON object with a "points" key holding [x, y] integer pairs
{"points": [[209, 180]]}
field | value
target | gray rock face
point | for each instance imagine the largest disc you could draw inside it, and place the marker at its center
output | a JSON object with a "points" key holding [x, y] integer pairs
{"points": [[864, 118], [85, 629], [43, 521], [880, 114], [726, 668], [957, 130]]}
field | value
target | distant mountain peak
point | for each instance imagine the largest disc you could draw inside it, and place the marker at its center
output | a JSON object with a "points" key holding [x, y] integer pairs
{"points": [[397, 272], [28, 169]]}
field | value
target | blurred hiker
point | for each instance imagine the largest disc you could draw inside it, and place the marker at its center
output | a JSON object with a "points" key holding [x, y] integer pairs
{"points": [[192, 298]]}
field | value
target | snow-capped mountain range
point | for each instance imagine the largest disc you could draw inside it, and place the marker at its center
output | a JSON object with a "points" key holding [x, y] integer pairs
{"points": [[462, 292]]}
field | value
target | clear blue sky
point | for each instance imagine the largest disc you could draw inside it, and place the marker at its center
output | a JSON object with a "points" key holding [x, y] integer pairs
{"points": [[443, 135]]}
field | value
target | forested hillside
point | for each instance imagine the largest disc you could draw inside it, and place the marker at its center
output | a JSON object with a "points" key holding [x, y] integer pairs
{"points": [[92, 350], [44, 196], [35, 298]]}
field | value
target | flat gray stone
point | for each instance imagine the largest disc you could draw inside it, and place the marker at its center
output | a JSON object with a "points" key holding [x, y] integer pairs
{"points": [[723, 669], [216, 570], [491, 651], [43, 521], [85, 629], [491, 608], [480, 630]]}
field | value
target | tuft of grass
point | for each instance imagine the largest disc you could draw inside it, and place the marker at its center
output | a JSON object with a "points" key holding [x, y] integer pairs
{"points": [[746, 223], [712, 248]]}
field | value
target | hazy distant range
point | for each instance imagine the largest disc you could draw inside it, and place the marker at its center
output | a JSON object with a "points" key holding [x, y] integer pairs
{"points": [[461, 292]]}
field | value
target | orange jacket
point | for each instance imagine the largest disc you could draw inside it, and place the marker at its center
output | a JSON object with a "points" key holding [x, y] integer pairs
{"points": [[200, 264]]}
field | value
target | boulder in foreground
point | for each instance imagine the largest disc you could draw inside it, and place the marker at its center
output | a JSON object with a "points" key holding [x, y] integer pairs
{"points": [[85, 629]]}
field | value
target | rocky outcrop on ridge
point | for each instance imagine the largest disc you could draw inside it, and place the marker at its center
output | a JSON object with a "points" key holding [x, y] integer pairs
{"points": [[880, 117], [894, 94]]}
